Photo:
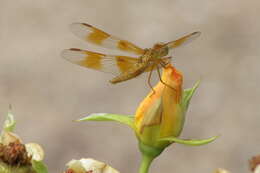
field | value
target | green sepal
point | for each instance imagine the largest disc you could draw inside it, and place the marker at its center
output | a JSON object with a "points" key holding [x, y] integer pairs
{"points": [[10, 123], [4, 168], [187, 95], [123, 119], [191, 142], [39, 167], [149, 150]]}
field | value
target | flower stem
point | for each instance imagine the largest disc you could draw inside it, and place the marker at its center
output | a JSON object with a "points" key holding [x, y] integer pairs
{"points": [[145, 164]]}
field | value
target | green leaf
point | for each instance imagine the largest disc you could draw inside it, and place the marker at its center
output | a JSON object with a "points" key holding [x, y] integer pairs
{"points": [[191, 142], [187, 95], [9, 124], [39, 167], [124, 119]]}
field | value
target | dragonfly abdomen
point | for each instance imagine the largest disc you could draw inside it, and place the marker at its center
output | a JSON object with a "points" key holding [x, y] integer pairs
{"points": [[132, 73]]}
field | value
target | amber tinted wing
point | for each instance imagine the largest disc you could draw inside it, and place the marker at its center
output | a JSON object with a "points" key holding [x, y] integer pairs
{"points": [[183, 40], [101, 38], [106, 63]]}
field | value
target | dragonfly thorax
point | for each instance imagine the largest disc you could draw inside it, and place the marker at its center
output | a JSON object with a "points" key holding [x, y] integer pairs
{"points": [[159, 50]]}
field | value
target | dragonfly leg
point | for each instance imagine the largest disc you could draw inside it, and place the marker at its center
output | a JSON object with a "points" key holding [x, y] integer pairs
{"points": [[159, 74], [165, 61], [149, 81]]}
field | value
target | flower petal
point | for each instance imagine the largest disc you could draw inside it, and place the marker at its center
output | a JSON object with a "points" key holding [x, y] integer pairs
{"points": [[9, 137], [220, 170], [90, 165], [35, 150]]}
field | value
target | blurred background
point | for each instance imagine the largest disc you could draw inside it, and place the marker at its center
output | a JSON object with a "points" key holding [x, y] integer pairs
{"points": [[47, 92]]}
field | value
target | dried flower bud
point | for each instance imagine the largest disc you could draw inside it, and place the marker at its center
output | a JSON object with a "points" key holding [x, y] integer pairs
{"points": [[14, 154], [254, 163]]}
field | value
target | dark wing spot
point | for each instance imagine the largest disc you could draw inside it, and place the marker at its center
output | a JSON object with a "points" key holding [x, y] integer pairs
{"points": [[75, 49], [86, 24], [120, 59]]}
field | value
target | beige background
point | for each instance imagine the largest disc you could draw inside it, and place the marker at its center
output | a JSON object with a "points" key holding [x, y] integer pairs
{"points": [[47, 92]]}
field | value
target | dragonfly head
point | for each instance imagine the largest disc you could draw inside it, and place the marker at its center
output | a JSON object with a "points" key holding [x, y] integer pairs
{"points": [[160, 50]]}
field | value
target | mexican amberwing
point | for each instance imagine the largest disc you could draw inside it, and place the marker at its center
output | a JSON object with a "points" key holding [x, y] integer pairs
{"points": [[123, 67]]}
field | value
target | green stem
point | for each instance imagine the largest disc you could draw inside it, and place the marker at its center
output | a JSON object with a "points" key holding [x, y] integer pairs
{"points": [[148, 154], [145, 164]]}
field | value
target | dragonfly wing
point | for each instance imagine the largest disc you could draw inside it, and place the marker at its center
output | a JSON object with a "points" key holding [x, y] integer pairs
{"points": [[183, 40], [101, 38], [115, 65]]}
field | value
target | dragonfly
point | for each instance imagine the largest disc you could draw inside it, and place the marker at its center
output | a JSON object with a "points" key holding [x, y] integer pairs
{"points": [[122, 67]]}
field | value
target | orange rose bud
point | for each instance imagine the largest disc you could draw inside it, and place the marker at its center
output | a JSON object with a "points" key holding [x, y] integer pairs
{"points": [[160, 114]]}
